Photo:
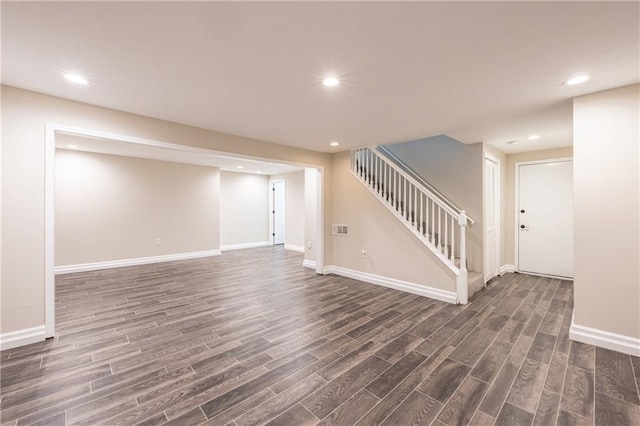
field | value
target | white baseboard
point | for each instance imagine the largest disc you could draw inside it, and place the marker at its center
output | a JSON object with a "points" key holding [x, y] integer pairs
{"points": [[22, 337], [229, 247], [309, 264], [421, 290], [83, 267], [294, 247], [605, 339], [507, 269]]}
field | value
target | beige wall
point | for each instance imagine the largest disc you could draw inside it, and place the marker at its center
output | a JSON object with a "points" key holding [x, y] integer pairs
{"points": [[455, 170], [607, 212], [294, 207], [510, 191], [244, 208], [392, 250], [110, 208], [311, 212], [24, 115]]}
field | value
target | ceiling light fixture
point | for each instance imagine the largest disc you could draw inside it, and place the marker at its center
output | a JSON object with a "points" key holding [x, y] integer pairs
{"points": [[239, 167], [75, 78], [334, 143], [512, 142], [577, 79], [331, 82], [533, 137], [259, 172], [72, 146]]}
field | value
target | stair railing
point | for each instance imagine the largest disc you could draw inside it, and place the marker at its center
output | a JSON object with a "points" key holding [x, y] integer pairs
{"points": [[435, 222]]}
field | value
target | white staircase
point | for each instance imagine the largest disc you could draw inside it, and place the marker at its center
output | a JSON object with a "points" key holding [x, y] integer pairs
{"points": [[427, 214]]}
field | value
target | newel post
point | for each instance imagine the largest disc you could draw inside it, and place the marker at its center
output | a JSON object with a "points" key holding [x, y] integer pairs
{"points": [[461, 280]]}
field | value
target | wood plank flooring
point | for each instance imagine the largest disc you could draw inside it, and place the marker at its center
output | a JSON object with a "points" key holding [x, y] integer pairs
{"points": [[251, 337]]}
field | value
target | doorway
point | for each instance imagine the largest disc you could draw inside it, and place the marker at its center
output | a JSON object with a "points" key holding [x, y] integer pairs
{"points": [[544, 218], [491, 217], [54, 129], [278, 217]]}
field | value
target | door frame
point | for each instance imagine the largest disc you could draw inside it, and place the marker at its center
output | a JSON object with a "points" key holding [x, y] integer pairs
{"points": [[498, 210], [52, 128], [271, 206], [516, 211]]}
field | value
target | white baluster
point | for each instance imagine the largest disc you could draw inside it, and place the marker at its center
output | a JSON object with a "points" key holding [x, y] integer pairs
{"points": [[453, 240], [462, 290], [446, 235], [433, 227], [440, 229], [421, 212]]}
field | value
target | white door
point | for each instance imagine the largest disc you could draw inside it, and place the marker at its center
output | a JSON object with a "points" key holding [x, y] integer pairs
{"points": [[277, 214], [545, 218], [492, 217]]}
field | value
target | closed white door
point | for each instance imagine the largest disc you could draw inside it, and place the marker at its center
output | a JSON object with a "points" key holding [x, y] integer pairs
{"points": [[491, 217], [545, 218], [277, 214]]}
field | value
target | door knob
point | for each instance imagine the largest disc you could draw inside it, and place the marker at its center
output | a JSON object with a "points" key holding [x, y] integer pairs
{"points": [[524, 228]]}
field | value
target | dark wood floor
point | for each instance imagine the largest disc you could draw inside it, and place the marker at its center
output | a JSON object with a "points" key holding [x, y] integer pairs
{"points": [[251, 337]]}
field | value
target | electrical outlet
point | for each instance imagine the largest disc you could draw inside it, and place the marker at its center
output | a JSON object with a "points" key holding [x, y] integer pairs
{"points": [[364, 252], [157, 241]]}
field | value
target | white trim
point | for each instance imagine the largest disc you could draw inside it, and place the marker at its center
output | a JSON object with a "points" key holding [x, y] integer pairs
{"points": [[409, 287], [498, 211], [83, 267], [605, 339], [309, 264], [294, 247], [504, 269], [516, 200], [22, 337], [229, 247], [49, 229], [319, 243]]}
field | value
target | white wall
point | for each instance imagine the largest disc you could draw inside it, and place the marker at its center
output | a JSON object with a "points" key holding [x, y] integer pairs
{"points": [[606, 164], [111, 208], [244, 209], [294, 188]]}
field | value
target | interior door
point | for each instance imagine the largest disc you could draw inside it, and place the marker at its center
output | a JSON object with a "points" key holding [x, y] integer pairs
{"points": [[277, 214], [492, 218], [545, 218]]}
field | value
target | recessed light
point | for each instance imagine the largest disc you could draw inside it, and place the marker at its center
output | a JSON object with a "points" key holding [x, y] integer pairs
{"points": [[331, 82], [75, 78], [577, 79], [512, 142], [239, 167], [533, 137], [72, 146], [259, 172], [334, 143]]}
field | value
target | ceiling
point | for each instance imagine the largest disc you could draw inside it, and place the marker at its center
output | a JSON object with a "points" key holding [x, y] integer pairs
{"points": [[180, 154], [476, 71]]}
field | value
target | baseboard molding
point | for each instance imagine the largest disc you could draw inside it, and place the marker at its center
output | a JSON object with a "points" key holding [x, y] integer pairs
{"points": [[309, 264], [504, 269], [22, 337], [605, 339], [229, 247], [294, 248], [421, 290], [83, 267]]}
